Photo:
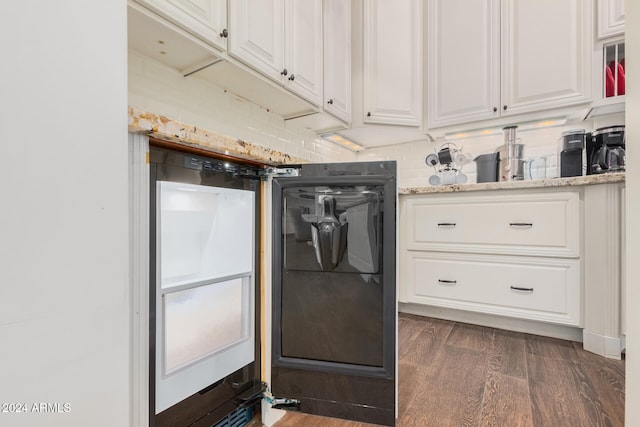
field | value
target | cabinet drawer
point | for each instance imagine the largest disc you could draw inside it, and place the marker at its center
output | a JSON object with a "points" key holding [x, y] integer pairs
{"points": [[542, 224], [543, 289]]}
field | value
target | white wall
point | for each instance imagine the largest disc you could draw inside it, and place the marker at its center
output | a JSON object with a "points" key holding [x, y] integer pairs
{"points": [[632, 27], [64, 295], [158, 89], [413, 172]]}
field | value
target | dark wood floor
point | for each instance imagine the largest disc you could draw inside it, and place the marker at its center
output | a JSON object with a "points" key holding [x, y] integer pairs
{"points": [[454, 374]]}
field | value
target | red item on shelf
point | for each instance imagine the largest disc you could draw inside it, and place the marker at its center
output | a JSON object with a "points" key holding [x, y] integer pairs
{"points": [[622, 83], [610, 82]]}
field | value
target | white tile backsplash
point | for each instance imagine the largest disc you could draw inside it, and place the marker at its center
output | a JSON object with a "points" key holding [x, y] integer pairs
{"points": [[413, 172], [161, 90]]}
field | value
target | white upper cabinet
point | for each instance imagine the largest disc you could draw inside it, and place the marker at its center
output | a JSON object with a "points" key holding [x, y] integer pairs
{"points": [[206, 19], [495, 58], [610, 18], [463, 61], [546, 54], [256, 34], [393, 64], [303, 48], [282, 39], [337, 58]]}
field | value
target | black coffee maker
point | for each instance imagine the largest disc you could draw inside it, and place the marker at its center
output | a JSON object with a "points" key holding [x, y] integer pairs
{"points": [[606, 150], [572, 154]]}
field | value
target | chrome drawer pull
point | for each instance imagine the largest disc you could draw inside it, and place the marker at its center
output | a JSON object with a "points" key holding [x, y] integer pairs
{"points": [[446, 224], [516, 288], [520, 224], [447, 282]]}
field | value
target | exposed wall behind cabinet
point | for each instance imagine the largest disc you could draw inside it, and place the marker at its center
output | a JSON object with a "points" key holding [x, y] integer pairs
{"points": [[413, 172], [158, 89]]}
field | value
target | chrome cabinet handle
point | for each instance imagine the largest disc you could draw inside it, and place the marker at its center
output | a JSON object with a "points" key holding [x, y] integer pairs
{"points": [[517, 288], [448, 282], [446, 224], [520, 224]]}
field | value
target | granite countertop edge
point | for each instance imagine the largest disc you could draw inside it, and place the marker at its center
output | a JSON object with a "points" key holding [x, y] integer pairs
{"points": [[607, 178], [188, 135]]}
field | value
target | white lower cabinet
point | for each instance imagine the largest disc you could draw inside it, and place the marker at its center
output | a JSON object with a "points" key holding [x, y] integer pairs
{"points": [[604, 266], [541, 289], [503, 253], [544, 224]]}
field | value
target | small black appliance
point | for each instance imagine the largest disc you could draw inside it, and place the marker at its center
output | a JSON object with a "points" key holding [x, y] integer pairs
{"points": [[572, 154], [606, 151], [487, 167]]}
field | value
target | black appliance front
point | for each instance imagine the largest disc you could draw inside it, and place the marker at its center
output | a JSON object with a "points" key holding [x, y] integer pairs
{"points": [[571, 163], [607, 150], [573, 155], [334, 290], [239, 385]]}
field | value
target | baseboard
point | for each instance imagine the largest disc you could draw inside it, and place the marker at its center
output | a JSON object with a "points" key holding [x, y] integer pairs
{"points": [[609, 347], [499, 322]]}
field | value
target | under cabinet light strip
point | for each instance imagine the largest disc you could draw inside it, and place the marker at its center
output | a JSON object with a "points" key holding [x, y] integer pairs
{"points": [[542, 124], [341, 141]]}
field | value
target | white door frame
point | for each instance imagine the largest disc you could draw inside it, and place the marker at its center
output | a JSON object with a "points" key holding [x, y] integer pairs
{"points": [[139, 277]]}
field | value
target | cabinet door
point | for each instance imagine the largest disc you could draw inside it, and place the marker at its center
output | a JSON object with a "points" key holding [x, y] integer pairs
{"points": [[303, 48], [546, 54], [392, 71], [256, 34], [206, 19], [610, 18], [463, 61], [337, 58]]}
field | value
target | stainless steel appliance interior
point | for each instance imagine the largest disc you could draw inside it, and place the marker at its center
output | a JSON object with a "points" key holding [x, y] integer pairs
{"points": [[204, 277], [334, 291]]}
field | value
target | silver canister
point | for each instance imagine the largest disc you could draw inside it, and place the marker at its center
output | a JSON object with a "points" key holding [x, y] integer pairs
{"points": [[509, 133], [511, 156]]}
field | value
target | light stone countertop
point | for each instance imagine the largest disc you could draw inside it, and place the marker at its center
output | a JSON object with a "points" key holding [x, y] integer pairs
{"points": [[168, 129], [606, 178]]}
